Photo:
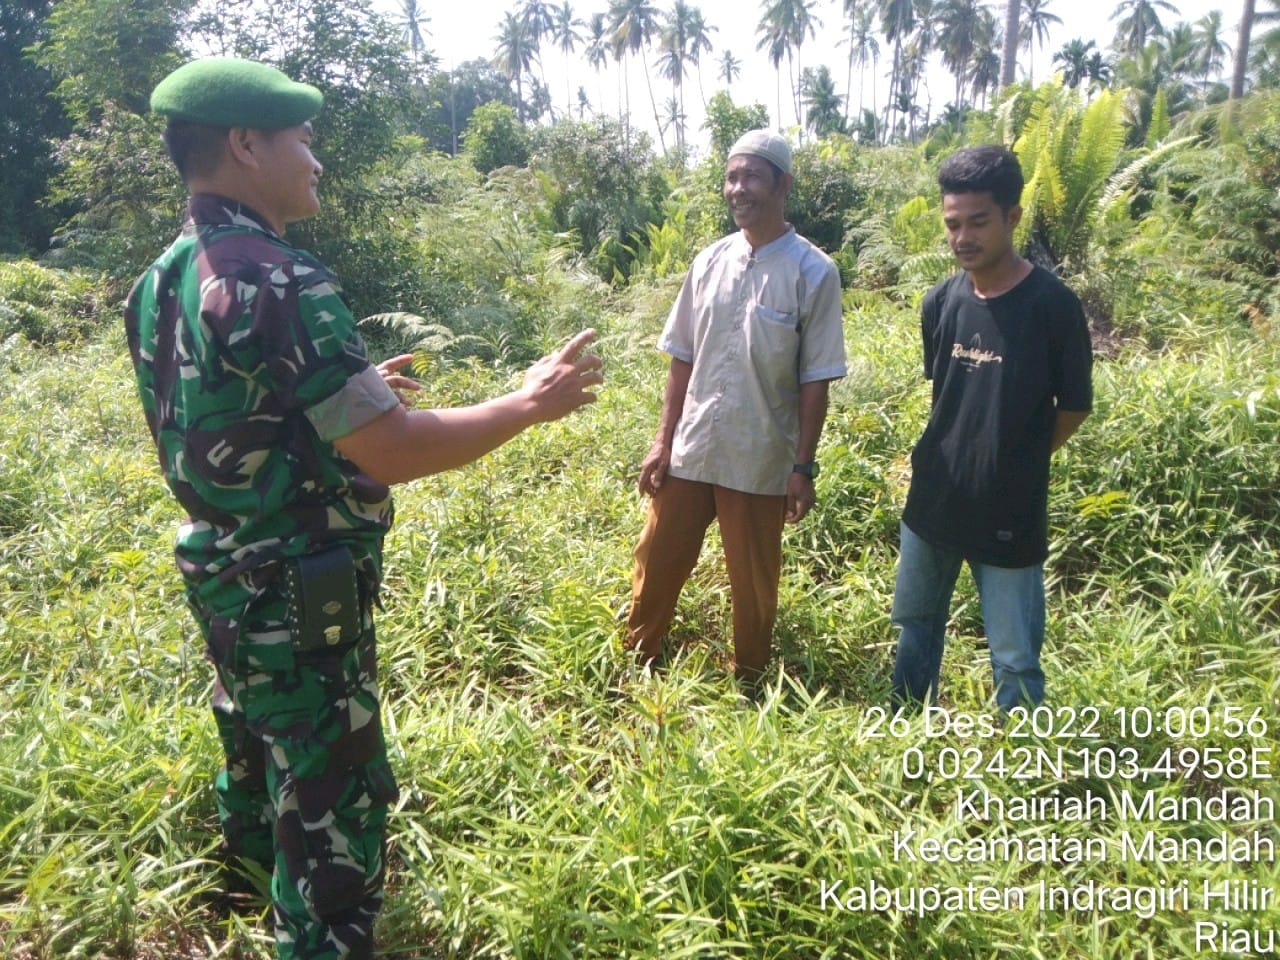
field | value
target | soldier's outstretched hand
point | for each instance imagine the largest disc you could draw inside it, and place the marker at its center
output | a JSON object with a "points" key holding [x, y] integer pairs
{"points": [[561, 382]]}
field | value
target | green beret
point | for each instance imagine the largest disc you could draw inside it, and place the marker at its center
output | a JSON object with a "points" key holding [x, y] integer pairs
{"points": [[226, 92]]}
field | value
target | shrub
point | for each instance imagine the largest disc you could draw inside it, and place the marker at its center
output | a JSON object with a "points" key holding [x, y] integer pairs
{"points": [[46, 305], [825, 192], [603, 186], [493, 138]]}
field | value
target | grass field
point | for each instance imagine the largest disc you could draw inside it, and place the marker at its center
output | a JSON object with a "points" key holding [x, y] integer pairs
{"points": [[554, 806]]}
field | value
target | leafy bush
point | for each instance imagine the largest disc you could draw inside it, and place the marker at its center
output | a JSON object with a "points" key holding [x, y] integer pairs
{"points": [[602, 185], [129, 200], [494, 139], [727, 123], [46, 305], [826, 191]]}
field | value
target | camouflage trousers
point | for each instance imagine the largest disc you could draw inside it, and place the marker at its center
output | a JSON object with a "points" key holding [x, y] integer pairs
{"points": [[306, 786]]}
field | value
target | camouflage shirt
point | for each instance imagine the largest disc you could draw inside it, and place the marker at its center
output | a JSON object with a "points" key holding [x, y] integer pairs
{"points": [[249, 366]]}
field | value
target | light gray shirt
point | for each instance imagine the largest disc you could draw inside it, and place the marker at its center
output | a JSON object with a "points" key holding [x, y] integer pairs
{"points": [[755, 325]]}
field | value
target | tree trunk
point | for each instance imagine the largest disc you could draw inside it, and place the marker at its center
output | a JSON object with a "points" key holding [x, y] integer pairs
{"points": [[657, 120], [890, 106], [1242, 51], [848, 87], [1009, 56]]}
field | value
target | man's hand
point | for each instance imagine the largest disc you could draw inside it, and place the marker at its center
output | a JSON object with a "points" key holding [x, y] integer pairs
{"points": [[405, 444], [398, 384], [800, 497], [653, 469], [558, 383]]}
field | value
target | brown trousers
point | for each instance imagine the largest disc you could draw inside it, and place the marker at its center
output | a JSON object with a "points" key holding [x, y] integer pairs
{"points": [[751, 532]]}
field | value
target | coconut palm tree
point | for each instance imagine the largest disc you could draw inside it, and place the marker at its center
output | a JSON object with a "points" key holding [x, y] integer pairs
{"points": [[925, 36], [785, 25], [413, 26], [1180, 52], [539, 17], [897, 17], [1012, 31], [851, 9], [823, 111], [565, 35], [1212, 49], [699, 43], [1241, 65], [673, 117], [908, 113], [729, 68], [1036, 21], [633, 24], [1139, 21], [1072, 59], [1150, 77], [682, 39], [775, 48], [673, 44], [913, 77], [959, 23], [515, 55], [864, 48], [1098, 70], [540, 21], [597, 48], [983, 73]]}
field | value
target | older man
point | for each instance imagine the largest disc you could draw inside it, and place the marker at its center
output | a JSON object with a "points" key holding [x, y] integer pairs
{"points": [[755, 337]]}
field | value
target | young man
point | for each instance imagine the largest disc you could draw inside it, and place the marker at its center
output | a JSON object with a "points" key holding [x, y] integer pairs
{"points": [[278, 438], [755, 336], [1007, 348]]}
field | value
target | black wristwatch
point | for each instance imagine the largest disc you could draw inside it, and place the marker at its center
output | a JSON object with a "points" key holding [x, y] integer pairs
{"points": [[809, 469]]}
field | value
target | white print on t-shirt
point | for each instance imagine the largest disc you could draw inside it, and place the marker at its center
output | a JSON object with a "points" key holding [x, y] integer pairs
{"points": [[973, 356]]}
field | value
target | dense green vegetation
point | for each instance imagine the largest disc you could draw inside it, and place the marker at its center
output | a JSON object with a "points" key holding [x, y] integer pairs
{"points": [[553, 807], [552, 804]]}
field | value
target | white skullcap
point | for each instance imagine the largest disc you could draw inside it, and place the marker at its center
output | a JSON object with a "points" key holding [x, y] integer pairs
{"points": [[764, 143]]}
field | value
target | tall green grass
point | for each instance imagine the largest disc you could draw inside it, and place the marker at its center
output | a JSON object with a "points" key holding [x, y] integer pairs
{"points": [[555, 805]]}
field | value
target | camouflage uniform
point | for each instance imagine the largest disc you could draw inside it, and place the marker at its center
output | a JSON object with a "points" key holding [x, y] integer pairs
{"points": [[249, 366]]}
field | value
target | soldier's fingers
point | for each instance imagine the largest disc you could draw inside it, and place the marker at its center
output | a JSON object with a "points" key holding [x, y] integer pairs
{"points": [[571, 349], [589, 361], [392, 364], [397, 382]]}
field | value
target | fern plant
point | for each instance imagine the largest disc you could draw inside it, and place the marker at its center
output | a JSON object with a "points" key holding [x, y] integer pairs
{"points": [[1078, 170], [1068, 149]]}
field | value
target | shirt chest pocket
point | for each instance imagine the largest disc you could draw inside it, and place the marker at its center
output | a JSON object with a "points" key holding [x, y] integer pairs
{"points": [[764, 316], [774, 342]]}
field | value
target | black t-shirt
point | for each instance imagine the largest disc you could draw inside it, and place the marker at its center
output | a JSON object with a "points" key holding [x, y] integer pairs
{"points": [[1001, 369]]}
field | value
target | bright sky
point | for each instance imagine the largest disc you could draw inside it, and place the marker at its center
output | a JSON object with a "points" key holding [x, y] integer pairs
{"points": [[466, 31]]}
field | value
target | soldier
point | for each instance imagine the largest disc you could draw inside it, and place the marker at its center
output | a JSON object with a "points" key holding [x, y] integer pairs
{"points": [[279, 439]]}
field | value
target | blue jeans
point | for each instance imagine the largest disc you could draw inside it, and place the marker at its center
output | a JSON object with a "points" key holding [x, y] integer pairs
{"points": [[1012, 613]]}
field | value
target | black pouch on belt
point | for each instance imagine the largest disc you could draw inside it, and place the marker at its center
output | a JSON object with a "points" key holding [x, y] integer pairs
{"points": [[324, 599]]}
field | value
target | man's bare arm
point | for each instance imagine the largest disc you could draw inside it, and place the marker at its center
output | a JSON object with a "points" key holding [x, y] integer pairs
{"points": [[1066, 423], [406, 444], [653, 470]]}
